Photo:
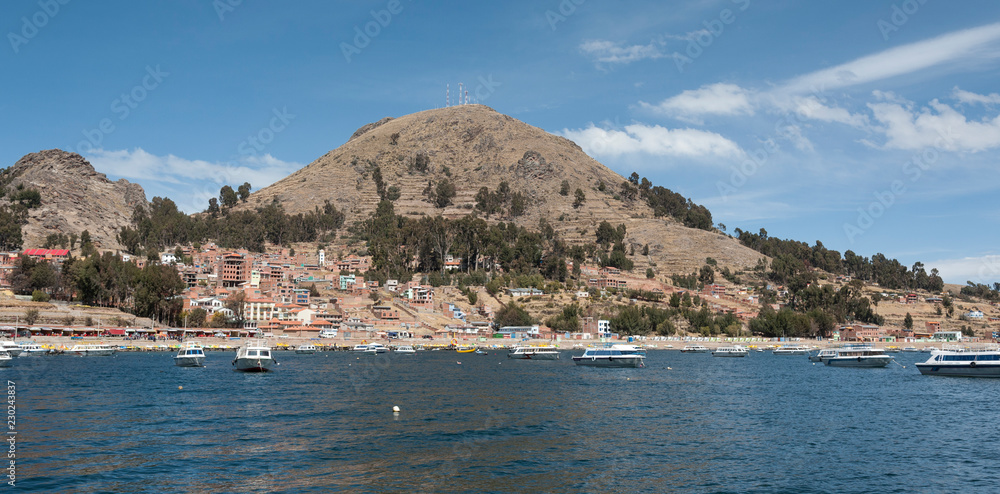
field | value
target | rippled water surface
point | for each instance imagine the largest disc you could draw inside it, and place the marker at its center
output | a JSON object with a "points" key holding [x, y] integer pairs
{"points": [[324, 422]]}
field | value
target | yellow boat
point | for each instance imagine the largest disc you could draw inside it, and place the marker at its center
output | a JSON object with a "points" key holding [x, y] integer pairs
{"points": [[465, 349]]}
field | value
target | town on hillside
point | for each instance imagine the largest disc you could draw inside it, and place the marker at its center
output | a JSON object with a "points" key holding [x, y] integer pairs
{"points": [[306, 294]]}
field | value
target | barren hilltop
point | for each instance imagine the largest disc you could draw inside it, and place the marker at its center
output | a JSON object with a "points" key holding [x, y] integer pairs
{"points": [[74, 198], [473, 146]]}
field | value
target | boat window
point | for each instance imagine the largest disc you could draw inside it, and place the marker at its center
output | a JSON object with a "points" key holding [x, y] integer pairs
{"points": [[265, 353], [992, 356], [252, 353]]}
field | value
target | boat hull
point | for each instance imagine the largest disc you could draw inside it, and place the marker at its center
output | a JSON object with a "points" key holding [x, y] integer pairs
{"points": [[253, 364], [867, 362], [189, 361], [305, 352], [609, 361], [6, 361], [534, 356], [962, 370], [729, 354], [94, 353]]}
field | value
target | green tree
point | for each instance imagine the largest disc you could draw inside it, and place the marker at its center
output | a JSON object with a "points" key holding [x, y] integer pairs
{"points": [[564, 188], [30, 316], [227, 196], [243, 191], [443, 193], [649, 273], [908, 321], [580, 197], [512, 314]]}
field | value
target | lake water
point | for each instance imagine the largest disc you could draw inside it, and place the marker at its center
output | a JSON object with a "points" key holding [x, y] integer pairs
{"points": [[324, 422]]}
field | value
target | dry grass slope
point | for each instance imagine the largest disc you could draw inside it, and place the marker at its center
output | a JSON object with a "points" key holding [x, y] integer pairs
{"points": [[479, 147]]}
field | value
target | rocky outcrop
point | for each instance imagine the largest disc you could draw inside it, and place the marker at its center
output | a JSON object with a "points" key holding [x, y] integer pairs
{"points": [[75, 197]]}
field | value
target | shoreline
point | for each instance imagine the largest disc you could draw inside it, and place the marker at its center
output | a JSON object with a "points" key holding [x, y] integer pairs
{"points": [[215, 343]]}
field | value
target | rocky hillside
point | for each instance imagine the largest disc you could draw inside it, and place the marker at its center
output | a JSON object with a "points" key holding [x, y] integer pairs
{"points": [[473, 146], [75, 198]]}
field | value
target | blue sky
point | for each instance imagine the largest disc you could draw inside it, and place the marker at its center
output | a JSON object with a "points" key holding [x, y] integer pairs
{"points": [[871, 126]]}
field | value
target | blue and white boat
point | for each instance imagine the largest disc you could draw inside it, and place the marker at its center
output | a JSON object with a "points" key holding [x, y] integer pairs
{"points": [[858, 355], [612, 356], [192, 354], [981, 361]]}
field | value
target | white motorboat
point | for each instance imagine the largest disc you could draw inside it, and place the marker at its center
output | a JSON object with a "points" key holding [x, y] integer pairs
{"points": [[860, 355], [192, 354], [730, 351], [93, 350], [791, 350], [254, 356], [543, 352], [372, 348], [11, 348], [405, 349], [5, 359], [306, 349], [29, 348], [981, 361], [823, 354], [911, 349], [612, 356], [695, 349]]}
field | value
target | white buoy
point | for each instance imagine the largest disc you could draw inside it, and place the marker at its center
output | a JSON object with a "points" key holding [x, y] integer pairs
{"points": [[395, 409], [459, 363]]}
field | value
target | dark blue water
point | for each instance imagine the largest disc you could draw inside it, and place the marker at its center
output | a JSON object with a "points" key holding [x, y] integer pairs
{"points": [[324, 423]]}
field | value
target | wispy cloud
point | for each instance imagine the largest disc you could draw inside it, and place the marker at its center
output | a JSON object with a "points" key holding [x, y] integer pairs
{"points": [[982, 269], [603, 51], [195, 180], [653, 140], [714, 99], [965, 46], [937, 125], [970, 98]]}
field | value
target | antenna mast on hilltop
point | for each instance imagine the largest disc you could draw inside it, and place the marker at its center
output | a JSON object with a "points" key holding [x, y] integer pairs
{"points": [[460, 93], [447, 95], [466, 97]]}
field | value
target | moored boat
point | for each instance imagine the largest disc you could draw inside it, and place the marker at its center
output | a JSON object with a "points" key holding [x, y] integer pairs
{"points": [[405, 349], [730, 351], [192, 354], [254, 356], [612, 356], [94, 350], [13, 349], [5, 359], [543, 352], [695, 349], [859, 355], [823, 354], [29, 348], [791, 350], [306, 349], [980, 361]]}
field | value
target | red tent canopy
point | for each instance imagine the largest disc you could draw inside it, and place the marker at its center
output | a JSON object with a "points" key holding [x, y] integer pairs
{"points": [[116, 332]]}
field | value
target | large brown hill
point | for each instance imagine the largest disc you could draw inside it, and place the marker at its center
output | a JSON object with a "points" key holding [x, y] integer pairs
{"points": [[474, 146], [75, 197]]}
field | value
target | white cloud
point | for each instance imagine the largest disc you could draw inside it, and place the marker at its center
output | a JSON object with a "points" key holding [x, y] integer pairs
{"points": [[937, 125], [714, 99], [190, 182], [983, 269], [810, 107], [970, 98], [603, 51], [966, 46], [654, 140]]}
